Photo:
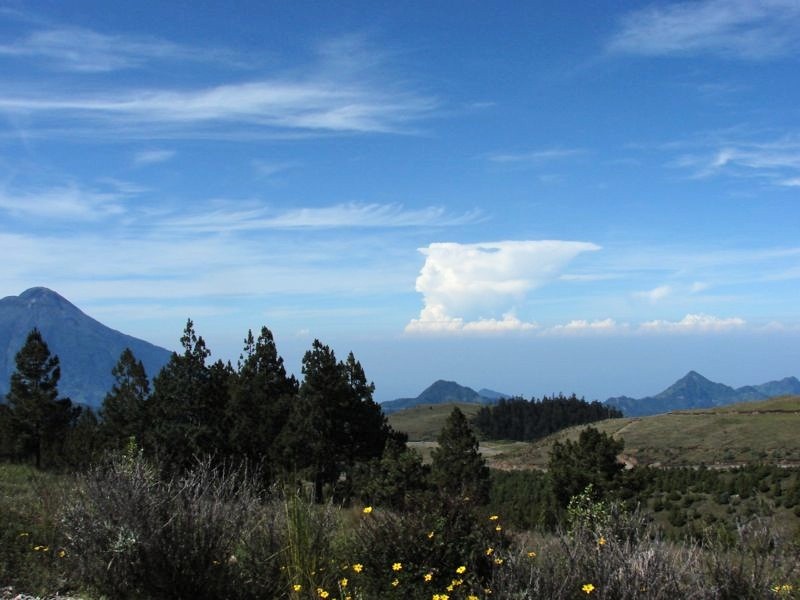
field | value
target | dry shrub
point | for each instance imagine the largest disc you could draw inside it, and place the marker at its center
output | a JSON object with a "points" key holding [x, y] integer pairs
{"points": [[205, 534]]}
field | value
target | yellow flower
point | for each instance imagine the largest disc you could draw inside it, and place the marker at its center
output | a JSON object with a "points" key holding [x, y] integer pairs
{"points": [[588, 588], [498, 561], [322, 593], [395, 583], [427, 576], [358, 567], [343, 582], [489, 551], [461, 569], [498, 528], [297, 587], [430, 535], [472, 597], [601, 541], [367, 510], [531, 554], [449, 588], [62, 553], [24, 534], [494, 518], [456, 582], [397, 566]]}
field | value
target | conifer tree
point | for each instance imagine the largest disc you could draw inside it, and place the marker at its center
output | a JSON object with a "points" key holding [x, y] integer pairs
{"points": [[261, 400], [123, 411], [38, 418], [458, 469], [186, 407]]}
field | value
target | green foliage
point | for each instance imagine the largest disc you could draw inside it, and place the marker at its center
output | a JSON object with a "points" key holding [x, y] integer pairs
{"points": [[334, 422], [261, 397], [523, 420], [458, 469], [124, 410], [37, 419], [592, 460]]}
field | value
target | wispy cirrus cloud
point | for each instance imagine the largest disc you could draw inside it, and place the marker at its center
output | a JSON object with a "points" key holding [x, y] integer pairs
{"points": [[775, 161], [66, 203], [150, 157], [352, 215], [535, 156], [742, 29], [85, 51]]}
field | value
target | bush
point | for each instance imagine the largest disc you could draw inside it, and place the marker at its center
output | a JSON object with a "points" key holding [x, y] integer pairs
{"points": [[205, 534]]}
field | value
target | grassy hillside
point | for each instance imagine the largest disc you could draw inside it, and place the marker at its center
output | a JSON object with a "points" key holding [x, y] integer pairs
{"points": [[750, 432], [422, 423]]}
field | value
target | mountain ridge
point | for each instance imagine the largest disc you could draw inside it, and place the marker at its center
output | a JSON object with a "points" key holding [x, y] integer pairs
{"points": [[441, 392], [87, 349], [696, 391]]}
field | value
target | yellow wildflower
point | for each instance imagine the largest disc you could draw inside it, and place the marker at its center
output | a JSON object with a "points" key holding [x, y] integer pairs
{"points": [[358, 567], [322, 593], [498, 528], [588, 588], [343, 582], [427, 576], [601, 541], [498, 561], [472, 597], [531, 554], [430, 535], [24, 534], [397, 566], [367, 510], [489, 551], [461, 569], [494, 518], [395, 583], [297, 587], [62, 553], [449, 588]]}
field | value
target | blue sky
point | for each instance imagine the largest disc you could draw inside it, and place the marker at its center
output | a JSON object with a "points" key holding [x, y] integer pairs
{"points": [[529, 196]]}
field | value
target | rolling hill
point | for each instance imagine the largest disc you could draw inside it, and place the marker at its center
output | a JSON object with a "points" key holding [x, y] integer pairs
{"points": [[87, 349], [749, 432]]}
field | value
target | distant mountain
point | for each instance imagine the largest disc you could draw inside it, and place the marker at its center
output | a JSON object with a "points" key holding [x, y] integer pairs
{"points": [[87, 349], [695, 391], [492, 395], [442, 392]]}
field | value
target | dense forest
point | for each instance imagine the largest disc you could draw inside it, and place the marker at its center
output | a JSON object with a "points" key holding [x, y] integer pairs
{"points": [[529, 420]]}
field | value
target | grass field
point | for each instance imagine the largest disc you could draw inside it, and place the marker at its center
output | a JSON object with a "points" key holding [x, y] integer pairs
{"points": [[751, 432]]}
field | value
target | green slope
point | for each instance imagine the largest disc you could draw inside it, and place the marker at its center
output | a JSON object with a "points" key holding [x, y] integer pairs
{"points": [[751, 432]]}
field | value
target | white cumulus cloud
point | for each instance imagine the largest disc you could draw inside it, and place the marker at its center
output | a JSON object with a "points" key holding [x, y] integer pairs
{"points": [[465, 285], [693, 323], [656, 294]]}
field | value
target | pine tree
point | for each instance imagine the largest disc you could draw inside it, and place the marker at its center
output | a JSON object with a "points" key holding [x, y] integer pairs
{"points": [[458, 469], [38, 418], [334, 422], [186, 408], [261, 400], [591, 460], [123, 411]]}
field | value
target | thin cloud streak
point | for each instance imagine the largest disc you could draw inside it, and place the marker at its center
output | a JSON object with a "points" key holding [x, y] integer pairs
{"points": [[351, 215], [85, 51], [743, 29]]}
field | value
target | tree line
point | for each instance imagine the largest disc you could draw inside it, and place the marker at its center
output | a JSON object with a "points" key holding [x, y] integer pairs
{"points": [[530, 420], [326, 429]]}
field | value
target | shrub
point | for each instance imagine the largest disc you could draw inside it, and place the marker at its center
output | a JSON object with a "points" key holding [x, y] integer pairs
{"points": [[205, 534]]}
